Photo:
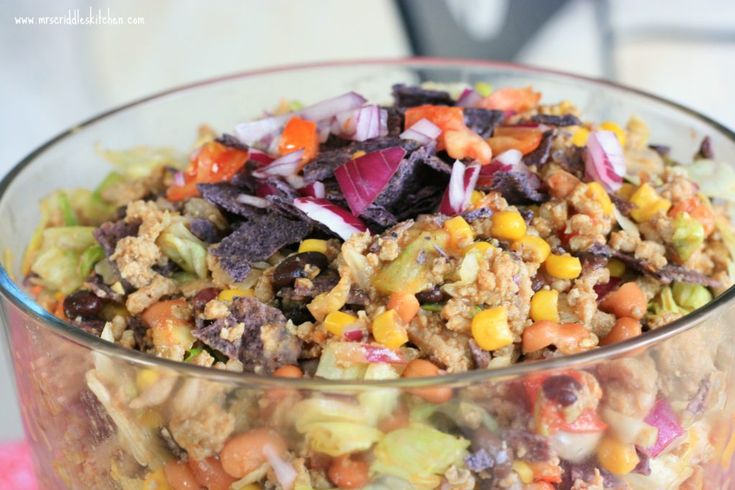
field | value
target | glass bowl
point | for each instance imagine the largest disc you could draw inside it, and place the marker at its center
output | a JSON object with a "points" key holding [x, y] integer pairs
{"points": [[99, 416]]}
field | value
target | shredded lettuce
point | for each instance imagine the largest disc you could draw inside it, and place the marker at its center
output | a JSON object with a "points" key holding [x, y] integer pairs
{"points": [[89, 259], [664, 304], [337, 438], [688, 236], [140, 161], [181, 246], [58, 262], [331, 368], [418, 454], [715, 179], [380, 402], [690, 296]]}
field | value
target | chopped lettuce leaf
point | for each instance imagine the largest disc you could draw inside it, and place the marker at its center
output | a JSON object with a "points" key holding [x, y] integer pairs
{"points": [[380, 402], [141, 160], [68, 215], [89, 258], [666, 304], [331, 368], [337, 438], [59, 257], [688, 236], [419, 454], [181, 246], [715, 179], [690, 296]]}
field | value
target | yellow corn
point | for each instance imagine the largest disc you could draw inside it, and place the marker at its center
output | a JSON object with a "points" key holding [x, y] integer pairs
{"points": [[228, 295], [647, 203], [145, 378], [579, 136], [460, 232], [151, 418], [616, 268], [544, 305], [525, 473], [358, 154], [532, 248], [476, 197], [483, 88], [490, 328], [480, 248], [313, 245], [563, 266], [615, 128], [508, 225], [388, 330], [156, 480], [337, 321], [626, 190], [597, 193], [616, 457]]}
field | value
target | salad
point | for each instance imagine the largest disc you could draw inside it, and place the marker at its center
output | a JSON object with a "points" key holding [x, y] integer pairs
{"points": [[452, 230]]}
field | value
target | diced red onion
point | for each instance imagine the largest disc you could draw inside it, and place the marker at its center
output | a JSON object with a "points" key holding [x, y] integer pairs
{"points": [[254, 132], [314, 189], [283, 470], [664, 419], [254, 201], [264, 190], [337, 219], [469, 98], [462, 182], [179, 179], [604, 288], [510, 157], [375, 353], [354, 334], [603, 159], [363, 179], [284, 166], [333, 106], [361, 124], [324, 129], [260, 157], [423, 131]]}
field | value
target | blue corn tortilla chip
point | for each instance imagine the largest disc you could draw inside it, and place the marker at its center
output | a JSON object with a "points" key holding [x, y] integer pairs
{"points": [[540, 156], [257, 239], [205, 230], [482, 121], [210, 335], [111, 232], [244, 178], [395, 121], [518, 187], [412, 96], [225, 195], [232, 142], [560, 121]]}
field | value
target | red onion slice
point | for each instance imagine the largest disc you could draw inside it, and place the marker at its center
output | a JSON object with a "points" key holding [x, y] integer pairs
{"points": [[331, 107], [462, 182], [337, 219], [363, 179], [260, 157], [664, 419], [314, 189], [604, 160], [374, 353], [361, 124], [469, 98], [254, 201], [179, 179], [283, 470], [284, 166], [423, 131]]}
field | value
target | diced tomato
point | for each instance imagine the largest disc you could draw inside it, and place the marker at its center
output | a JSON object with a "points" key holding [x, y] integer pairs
{"points": [[213, 162], [561, 183], [461, 144], [445, 117], [697, 210], [588, 421], [299, 134], [511, 99], [545, 472], [522, 138]]}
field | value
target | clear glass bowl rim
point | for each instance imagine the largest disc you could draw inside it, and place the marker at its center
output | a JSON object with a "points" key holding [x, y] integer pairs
{"points": [[27, 305]]}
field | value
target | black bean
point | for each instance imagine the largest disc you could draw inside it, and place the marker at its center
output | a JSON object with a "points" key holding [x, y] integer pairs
{"points": [[294, 267], [433, 295], [561, 389], [203, 297], [83, 304]]}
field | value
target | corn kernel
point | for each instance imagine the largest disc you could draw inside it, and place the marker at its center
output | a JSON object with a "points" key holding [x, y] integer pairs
{"points": [[337, 321], [313, 245], [525, 473], [508, 225], [490, 328], [597, 193], [483, 88], [647, 203], [480, 248], [460, 232], [626, 190], [476, 197], [388, 330], [227, 295], [615, 128], [544, 305], [616, 457], [616, 268], [580, 136], [532, 248], [151, 418], [563, 266], [156, 480], [145, 378], [358, 154]]}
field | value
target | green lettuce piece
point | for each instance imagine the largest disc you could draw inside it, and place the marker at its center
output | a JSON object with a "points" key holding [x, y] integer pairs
{"points": [[315, 410], [89, 259], [688, 236], [690, 296], [461, 411], [338, 438], [380, 402], [140, 161], [387, 482], [330, 368], [665, 303], [181, 246], [418, 454], [407, 273], [68, 215], [715, 179], [59, 256]]}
